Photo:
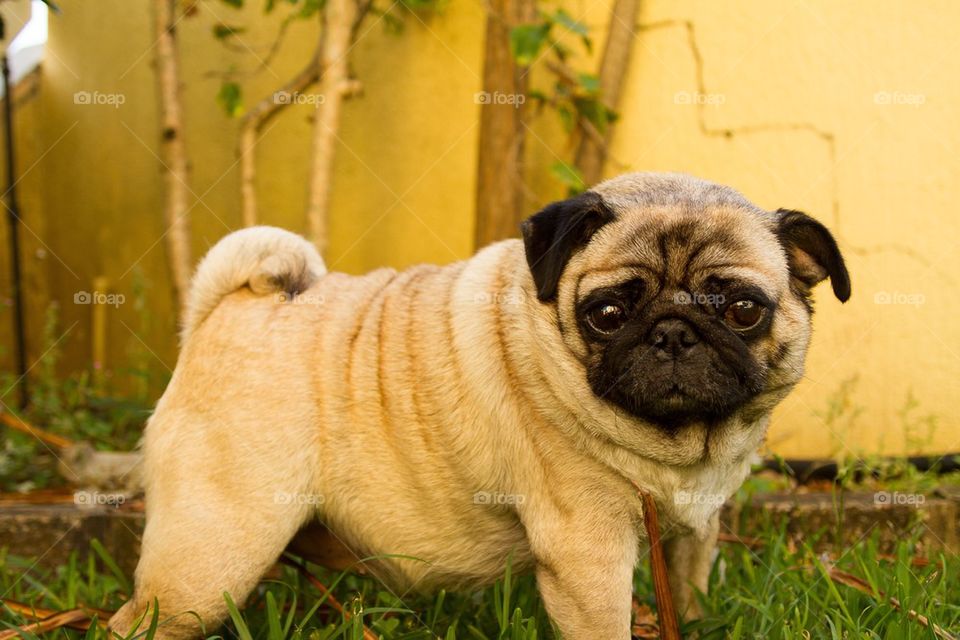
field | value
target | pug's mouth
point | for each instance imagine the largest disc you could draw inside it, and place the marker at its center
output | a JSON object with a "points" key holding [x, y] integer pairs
{"points": [[676, 393], [677, 402], [676, 398]]}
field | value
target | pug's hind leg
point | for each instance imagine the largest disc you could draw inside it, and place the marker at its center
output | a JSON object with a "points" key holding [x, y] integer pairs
{"points": [[209, 542]]}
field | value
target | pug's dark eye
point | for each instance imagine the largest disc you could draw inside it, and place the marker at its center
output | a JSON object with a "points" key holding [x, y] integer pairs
{"points": [[744, 314], [606, 317]]}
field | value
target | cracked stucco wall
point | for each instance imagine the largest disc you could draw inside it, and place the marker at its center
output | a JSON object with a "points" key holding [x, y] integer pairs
{"points": [[846, 110]]}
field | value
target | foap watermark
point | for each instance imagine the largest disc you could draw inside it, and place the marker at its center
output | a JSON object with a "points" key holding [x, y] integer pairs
{"points": [[99, 297], [494, 497], [707, 299], [695, 97], [899, 98], [295, 97], [697, 498], [287, 498], [884, 498], [300, 298], [499, 97], [95, 98], [98, 499], [899, 298], [511, 297]]}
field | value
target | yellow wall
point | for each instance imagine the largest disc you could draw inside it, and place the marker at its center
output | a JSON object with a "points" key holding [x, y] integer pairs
{"points": [[798, 116]]}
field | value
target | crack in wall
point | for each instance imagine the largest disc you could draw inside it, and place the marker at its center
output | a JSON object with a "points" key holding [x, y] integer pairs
{"points": [[828, 137]]}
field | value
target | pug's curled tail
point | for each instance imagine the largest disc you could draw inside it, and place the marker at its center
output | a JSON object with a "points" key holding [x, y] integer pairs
{"points": [[266, 259]]}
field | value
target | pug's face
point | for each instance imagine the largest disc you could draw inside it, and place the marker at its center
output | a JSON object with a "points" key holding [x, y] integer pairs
{"points": [[685, 302]]}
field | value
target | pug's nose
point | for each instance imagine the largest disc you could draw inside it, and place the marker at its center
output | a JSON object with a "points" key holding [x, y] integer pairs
{"points": [[673, 337]]}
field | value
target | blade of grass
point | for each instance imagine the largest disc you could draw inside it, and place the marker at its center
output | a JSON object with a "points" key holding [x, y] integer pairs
{"points": [[243, 631], [108, 560]]}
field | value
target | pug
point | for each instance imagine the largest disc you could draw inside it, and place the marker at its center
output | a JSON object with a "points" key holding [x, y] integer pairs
{"points": [[442, 420]]}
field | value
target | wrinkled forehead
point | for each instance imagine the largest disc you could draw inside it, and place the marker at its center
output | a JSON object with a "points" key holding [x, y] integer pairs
{"points": [[677, 247]]}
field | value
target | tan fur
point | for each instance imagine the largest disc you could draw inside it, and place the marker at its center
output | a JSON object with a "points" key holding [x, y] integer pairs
{"points": [[391, 405]]}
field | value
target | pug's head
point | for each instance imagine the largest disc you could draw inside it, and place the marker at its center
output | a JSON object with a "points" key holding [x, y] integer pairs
{"points": [[684, 302]]}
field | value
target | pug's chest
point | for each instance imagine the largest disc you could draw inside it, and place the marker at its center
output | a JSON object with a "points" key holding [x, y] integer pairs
{"points": [[691, 499]]}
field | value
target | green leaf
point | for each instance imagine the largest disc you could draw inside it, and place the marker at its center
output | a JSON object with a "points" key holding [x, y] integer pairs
{"points": [[92, 631], [569, 176], [538, 95], [114, 568], [593, 111], [310, 7], [737, 629], [230, 98], [236, 4], [243, 631], [154, 620], [273, 619], [566, 21], [567, 116], [526, 41], [223, 31], [590, 82]]}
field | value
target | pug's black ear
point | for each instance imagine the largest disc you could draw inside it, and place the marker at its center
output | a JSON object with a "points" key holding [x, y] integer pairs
{"points": [[812, 253], [553, 235]]}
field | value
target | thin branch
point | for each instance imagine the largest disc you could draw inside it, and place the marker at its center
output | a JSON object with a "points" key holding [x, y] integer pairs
{"points": [[667, 613], [264, 61], [23, 426], [251, 124], [850, 580], [73, 622], [69, 618], [261, 113]]}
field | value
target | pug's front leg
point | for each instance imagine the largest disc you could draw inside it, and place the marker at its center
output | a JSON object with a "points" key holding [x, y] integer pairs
{"points": [[585, 576], [689, 559]]}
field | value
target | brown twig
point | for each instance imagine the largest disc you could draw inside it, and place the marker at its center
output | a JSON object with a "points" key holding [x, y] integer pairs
{"points": [[850, 580], [758, 543], [751, 543], [334, 603], [23, 426], [262, 112], [667, 613], [74, 618], [254, 121], [39, 613]]}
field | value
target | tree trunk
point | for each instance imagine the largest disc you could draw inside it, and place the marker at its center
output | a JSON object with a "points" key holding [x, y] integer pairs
{"points": [[173, 151], [592, 152], [500, 201], [338, 19]]}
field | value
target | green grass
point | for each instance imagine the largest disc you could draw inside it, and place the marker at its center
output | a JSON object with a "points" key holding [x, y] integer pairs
{"points": [[776, 592]]}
